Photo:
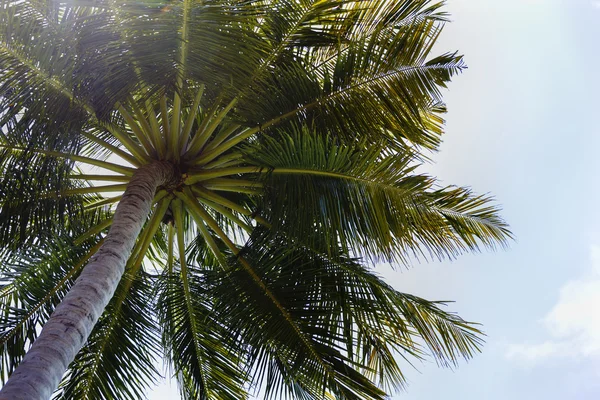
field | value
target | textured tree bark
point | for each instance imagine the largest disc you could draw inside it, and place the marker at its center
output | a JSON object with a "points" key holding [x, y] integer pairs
{"points": [[69, 326]]}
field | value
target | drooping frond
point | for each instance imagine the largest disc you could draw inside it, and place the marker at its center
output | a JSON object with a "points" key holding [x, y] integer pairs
{"points": [[368, 200], [323, 323], [37, 198], [294, 130], [403, 320], [206, 359]]}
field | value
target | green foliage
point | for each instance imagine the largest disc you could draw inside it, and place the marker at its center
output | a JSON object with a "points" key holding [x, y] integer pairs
{"points": [[205, 357], [299, 128], [369, 200], [32, 200], [323, 323]]}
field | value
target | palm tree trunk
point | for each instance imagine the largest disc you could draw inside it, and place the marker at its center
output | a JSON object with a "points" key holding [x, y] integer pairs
{"points": [[69, 326]]}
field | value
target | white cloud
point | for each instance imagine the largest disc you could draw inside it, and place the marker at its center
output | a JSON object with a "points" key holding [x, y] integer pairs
{"points": [[595, 3], [572, 324]]}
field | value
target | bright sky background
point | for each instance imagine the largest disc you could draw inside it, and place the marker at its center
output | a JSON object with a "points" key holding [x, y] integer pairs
{"points": [[523, 125]]}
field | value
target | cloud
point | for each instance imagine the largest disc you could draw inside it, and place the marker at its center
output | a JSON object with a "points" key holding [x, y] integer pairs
{"points": [[595, 3], [572, 324]]}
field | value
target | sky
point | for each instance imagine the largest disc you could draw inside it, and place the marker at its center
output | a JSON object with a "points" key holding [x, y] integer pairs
{"points": [[523, 126]]}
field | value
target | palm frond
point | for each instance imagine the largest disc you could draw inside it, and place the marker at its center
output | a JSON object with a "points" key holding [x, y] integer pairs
{"points": [[380, 82], [340, 304], [206, 359], [294, 356], [39, 198], [369, 200]]}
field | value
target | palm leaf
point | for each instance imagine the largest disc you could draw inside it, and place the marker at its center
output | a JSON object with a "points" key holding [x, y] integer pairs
{"points": [[340, 303], [205, 358], [28, 213], [369, 201]]}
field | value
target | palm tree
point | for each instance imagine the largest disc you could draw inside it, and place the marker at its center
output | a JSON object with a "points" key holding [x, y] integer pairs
{"points": [[261, 156]]}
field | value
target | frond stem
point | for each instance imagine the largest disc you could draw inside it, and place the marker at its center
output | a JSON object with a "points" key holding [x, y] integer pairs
{"points": [[223, 210], [110, 200], [201, 225], [187, 128], [113, 149], [202, 136], [93, 231], [178, 215], [87, 160], [106, 178], [91, 189], [137, 130]]}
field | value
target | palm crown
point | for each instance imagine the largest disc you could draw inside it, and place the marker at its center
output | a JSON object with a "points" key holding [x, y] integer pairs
{"points": [[291, 131]]}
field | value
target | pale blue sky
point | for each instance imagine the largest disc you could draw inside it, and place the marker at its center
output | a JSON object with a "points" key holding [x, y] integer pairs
{"points": [[523, 124]]}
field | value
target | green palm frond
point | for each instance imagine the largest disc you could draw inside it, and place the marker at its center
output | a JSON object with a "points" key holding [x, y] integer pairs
{"points": [[41, 72], [206, 359], [341, 322], [381, 82], [368, 200], [28, 213], [288, 348], [295, 130]]}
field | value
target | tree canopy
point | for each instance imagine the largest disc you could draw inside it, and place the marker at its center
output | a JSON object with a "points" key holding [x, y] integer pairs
{"points": [[296, 127]]}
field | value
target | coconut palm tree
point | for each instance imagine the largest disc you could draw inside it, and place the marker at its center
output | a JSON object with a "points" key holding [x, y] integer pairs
{"points": [[212, 182]]}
